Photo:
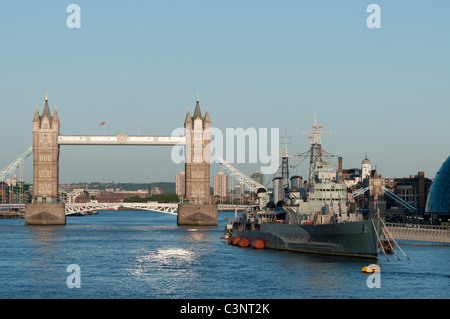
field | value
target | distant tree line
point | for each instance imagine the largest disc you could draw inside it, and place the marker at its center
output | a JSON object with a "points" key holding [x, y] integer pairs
{"points": [[160, 198]]}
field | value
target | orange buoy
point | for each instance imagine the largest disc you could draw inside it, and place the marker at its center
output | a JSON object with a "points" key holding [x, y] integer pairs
{"points": [[244, 242], [257, 244], [236, 241]]}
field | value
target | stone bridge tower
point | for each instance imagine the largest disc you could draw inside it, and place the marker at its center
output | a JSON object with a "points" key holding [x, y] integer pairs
{"points": [[45, 208], [197, 166], [198, 208]]}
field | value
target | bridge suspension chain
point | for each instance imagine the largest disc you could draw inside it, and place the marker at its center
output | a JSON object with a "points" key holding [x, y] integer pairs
{"points": [[251, 184], [399, 200], [14, 165], [396, 198], [359, 191]]}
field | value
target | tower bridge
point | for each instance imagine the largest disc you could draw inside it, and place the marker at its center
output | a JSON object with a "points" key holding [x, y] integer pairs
{"points": [[46, 207]]}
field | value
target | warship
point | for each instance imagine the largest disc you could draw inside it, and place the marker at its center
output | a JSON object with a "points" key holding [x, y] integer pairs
{"points": [[317, 216]]}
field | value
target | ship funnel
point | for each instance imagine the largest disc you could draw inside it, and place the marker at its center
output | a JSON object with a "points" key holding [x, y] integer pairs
{"points": [[339, 176], [296, 181]]}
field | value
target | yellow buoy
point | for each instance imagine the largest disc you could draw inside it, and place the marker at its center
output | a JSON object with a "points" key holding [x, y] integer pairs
{"points": [[371, 268]]}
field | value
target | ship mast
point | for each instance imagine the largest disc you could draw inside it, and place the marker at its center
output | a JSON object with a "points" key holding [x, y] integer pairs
{"points": [[285, 167], [316, 151]]}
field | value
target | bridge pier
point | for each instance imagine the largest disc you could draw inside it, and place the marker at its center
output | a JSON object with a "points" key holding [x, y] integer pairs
{"points": [[45, 214], [197, 214]]}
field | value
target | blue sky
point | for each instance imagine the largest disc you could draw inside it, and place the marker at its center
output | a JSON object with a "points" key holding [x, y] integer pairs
{"points": [[261, 64]]}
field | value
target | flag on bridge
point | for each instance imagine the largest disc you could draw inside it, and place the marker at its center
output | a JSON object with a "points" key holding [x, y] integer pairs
{"points": [[103, 123]]}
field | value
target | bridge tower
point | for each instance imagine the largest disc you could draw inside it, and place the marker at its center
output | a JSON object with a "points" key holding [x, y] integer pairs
{"points": [[45, 208], [197, 208]]}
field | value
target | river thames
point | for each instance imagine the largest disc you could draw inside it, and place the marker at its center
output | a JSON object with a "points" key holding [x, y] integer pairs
{"points": [[137, 254]]}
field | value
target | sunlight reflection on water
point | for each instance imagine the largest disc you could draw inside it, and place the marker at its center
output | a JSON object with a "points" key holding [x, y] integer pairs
{"points": [[169, 270]]}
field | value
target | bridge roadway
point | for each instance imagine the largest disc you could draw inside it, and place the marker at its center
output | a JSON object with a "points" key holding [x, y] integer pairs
{"points": [[169, 208], [120, 139]]}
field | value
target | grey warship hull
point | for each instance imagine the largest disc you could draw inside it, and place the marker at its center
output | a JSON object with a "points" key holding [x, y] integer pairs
{"points": [[356, 239]]}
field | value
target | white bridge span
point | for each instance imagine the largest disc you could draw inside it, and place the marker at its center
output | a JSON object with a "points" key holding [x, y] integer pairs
{"points": [[168, 208], [75, 208]]}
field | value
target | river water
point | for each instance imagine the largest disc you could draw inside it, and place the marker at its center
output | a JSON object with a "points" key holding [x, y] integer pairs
{"points": [[137, 254]]}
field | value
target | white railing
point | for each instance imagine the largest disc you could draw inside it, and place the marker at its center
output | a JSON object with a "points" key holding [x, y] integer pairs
{"points": [[16, 206], [231, 207], [426, 233]]}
